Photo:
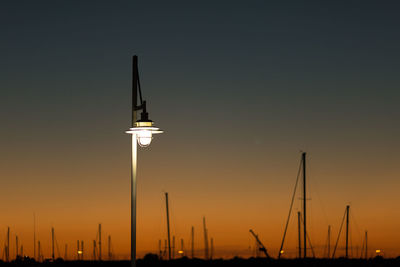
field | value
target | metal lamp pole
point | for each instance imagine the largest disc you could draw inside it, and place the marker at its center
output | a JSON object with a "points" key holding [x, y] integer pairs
{"points": [[134, 162], [142, 131], [133, 201]]}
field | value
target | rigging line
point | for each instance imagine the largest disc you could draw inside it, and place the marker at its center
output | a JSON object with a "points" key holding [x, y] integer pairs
{"points": [[290, 209], [112, 250], [326, 246], [315, 190], [308, 238], [360, 236], [356, 224], [58, 251], [351, 240], [311, 246], [340, 230], [362, 249]]}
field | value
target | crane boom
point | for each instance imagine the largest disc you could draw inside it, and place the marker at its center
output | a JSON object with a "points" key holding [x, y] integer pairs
{"points": [[260, 244]]}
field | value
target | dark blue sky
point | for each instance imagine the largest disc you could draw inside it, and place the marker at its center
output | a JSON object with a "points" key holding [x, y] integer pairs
{"points": [[239, 87], [279, 62]]}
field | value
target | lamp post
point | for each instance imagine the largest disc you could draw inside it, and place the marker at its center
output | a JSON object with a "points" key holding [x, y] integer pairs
{"points": [[142, 132]]}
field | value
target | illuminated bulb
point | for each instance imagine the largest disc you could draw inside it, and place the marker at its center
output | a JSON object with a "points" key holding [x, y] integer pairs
{"points": [[144, 138], [144, 132]]}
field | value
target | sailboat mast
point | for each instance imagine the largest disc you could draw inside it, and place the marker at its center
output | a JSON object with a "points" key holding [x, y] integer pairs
{"points": [[206, 255], [169, 239], [347, 230], [16, 246], [52, 243], [299, 231], [34, 237], [366, 245], [329, 241], [99, 241], [39, 255], [192, 242], [304, 206]]}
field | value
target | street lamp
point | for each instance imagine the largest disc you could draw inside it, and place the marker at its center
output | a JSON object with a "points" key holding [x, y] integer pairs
{"points": [[142, 132]]}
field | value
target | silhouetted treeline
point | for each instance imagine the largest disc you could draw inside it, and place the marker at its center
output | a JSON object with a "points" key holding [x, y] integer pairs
{"points": [[153, 261]]}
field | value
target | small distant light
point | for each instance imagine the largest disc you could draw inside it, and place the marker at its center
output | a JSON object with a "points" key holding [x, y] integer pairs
{"points": [[180, 251], [282, 251], [378, 251], [80, 251]]}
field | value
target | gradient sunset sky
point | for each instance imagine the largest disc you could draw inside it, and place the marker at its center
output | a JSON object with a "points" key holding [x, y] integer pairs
{"points": [[240, 88]]}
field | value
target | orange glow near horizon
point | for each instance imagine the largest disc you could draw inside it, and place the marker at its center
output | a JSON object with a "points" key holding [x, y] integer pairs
{"points": [[74, 208]]}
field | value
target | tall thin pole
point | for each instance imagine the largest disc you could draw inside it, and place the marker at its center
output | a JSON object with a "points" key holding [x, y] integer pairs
{"points": [[39, 255], [192, 242], [299, 231], [94, 250], [99, 242], [8, 244], [165, 247], [135, 79], [347, 230], [134, 162], [82, 250], [109, 247], [366, 244], [34, 236], [16, 246], [77, 250], [169, 236], [211, 248], [159, 249], [173, 247], [329, 241], [182, 248], [52, 243], [304, 206], [206, 255]]}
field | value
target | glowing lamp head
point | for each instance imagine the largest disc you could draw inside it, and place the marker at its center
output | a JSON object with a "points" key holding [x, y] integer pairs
{"points": [[144, 131], [144, 138]]}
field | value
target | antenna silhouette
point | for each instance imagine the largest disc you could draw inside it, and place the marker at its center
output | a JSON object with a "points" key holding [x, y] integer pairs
{"points": [[169, 239], [206, 255]]}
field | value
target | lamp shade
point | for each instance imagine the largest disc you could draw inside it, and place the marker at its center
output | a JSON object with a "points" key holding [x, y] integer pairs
{"points": [[144, 132]]}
